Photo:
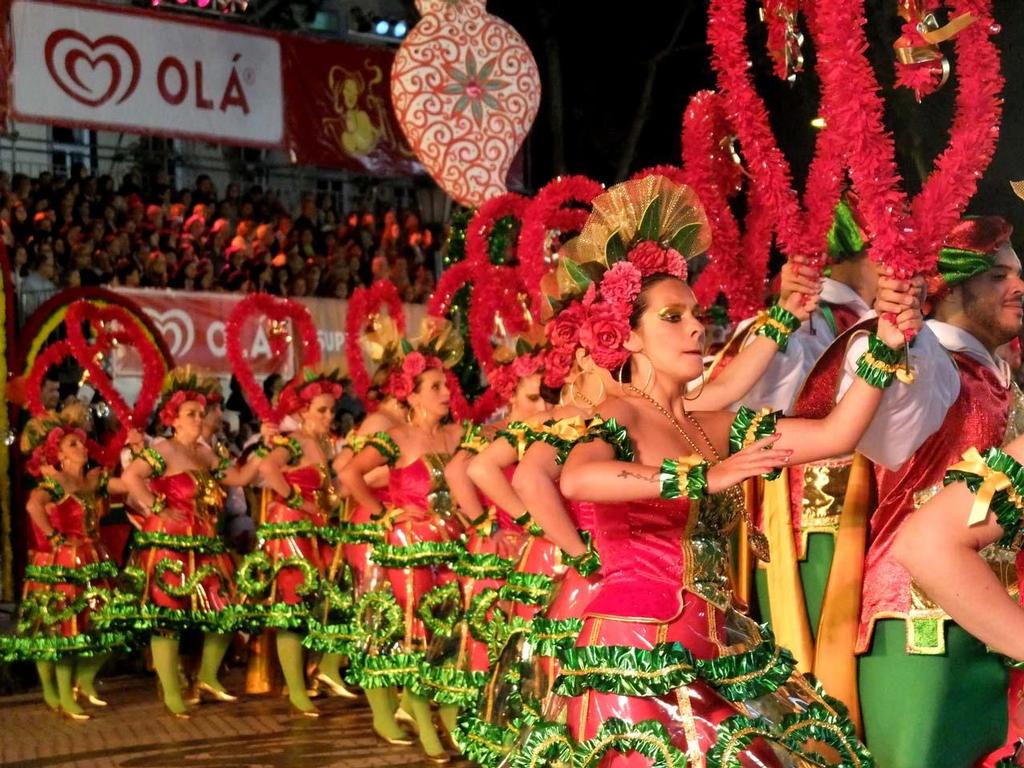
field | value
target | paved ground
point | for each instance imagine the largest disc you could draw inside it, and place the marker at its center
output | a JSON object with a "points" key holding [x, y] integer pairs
{"points": [[134, 732]]}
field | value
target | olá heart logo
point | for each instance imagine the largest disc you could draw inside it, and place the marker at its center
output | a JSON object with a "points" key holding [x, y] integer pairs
{"points": [[92, 72]]}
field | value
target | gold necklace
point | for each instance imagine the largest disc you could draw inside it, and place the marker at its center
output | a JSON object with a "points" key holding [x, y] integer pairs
{"points": [[758, 541]]}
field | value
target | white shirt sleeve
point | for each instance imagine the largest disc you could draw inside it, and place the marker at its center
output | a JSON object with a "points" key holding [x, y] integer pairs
{"points": [[909, 413], [779, 384]]}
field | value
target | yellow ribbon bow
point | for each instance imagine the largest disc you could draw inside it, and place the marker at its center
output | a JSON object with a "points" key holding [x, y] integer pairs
{"points": [[570, 429], [486, 526], [992, 483]]}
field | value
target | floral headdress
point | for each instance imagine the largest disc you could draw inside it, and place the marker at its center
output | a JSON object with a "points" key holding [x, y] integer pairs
{"points": [[42, 435], [182, 385], [439, 346], [640, 228], [307, 385]]}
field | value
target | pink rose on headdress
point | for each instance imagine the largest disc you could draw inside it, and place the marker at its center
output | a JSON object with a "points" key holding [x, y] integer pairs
{"points": [[557, 364], [526, 365], [564, 329], [675, 264], [400, 385], [648, 257], [414, 364], [621, 284], [604, 334]]}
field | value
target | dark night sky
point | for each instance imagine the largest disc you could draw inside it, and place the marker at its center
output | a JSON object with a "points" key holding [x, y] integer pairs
{"points": [[604, 51]]}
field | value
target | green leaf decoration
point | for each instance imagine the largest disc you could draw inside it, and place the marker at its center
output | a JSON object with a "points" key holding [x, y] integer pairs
{"points": [[615, 249], [650, 224], [684, 238], [577, 274]]}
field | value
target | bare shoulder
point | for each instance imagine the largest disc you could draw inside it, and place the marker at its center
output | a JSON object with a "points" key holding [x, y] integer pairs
{"points": [[622, 409], [376, 422]]}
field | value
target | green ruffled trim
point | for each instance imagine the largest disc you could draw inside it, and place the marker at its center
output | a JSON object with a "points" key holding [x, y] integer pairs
{"points": [[479, 619], [221, 470], [649, 738], [386, 671], [156, 462], [59, 574], [290, 444], [378, 618], [333, 638], [625, 670], [734, 735], [422, 554], [257, 573], [528, 588], [616, 436], [586, 563], [332, 534], [385, 445], [830, 724], [440, 609], [487, 566], [519, 435], [149, 617], [201, 545], [362, 533], [786, 318], [57, 647], [546, 744], [1007, 513], [750, 426], [552, 637], [483, 743], [45, 608], [254, 618], [877, 377], [53, 488], [447, 685], [670, 478], [288, 530], [753, 673], [191, 584]]}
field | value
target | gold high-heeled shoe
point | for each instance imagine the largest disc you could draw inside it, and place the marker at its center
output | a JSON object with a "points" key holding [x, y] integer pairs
{"points": [[202, 689], [78, 716], [400, 741], [336, 689], [442, 759], [96, 701], [312, 714], [177, 715]]}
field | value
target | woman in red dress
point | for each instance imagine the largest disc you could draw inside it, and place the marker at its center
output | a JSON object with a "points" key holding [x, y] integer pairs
{"points": [[294, 572], [186, 572], [69, 576], [663, 668], [418, 548]]}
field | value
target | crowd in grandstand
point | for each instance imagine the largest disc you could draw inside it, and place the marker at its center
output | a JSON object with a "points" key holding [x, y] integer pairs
{"points": [[90, 230]]}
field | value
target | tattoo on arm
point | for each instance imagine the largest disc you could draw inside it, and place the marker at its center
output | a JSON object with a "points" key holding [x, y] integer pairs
{"points": [[636, 476]]}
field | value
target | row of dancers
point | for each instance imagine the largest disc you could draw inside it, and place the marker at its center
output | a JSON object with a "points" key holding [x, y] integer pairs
{"points": [[560, 585]]}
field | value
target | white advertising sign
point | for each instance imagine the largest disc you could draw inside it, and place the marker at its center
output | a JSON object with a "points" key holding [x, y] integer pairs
{"points": [[131, 71]]}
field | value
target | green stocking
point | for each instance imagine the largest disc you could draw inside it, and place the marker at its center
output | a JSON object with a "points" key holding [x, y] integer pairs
{"points": [[925, 711], [330, 665], [419, 708], [87, 670], [65, 669], [449, 715], [215, 645], [383, 708], [49, 682], [289, 653], [165, 661], [814, 571]]}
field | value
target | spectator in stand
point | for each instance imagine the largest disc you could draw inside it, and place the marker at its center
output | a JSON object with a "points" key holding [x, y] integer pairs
{"points": [[38, 285]]}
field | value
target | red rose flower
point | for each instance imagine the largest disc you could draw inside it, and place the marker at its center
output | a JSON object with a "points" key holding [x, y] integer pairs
{"points": [[621, 284], [564, 329], [415, 364], [648, 257], [604, 335]]}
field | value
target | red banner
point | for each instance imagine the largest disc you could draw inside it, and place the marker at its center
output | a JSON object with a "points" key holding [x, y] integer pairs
{"points": [[339, 111]]}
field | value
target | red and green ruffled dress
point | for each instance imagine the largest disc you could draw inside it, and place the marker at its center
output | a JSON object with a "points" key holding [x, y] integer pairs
{"points": [[294, 581], [397, 622], [67, 580], [665, 672], [182, 575]]}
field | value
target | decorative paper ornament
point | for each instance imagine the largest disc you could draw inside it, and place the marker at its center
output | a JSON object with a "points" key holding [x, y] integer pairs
{"points": [[465, 89]]}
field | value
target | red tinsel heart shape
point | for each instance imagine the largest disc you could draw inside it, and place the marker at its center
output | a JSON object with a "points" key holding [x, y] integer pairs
{"points": [[362, 305], [113, 325], [263, 307]]}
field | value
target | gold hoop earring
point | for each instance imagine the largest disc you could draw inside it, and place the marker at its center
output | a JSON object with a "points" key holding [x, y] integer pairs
{"points": [[586, 400], [699, 391], [650, 374]]}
